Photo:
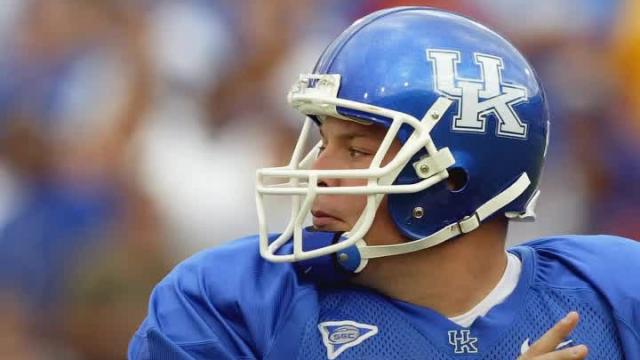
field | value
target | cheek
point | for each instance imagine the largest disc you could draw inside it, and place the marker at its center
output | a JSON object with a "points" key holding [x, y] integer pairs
{"points": [[349, 206], [353, 205], [383, 231]]}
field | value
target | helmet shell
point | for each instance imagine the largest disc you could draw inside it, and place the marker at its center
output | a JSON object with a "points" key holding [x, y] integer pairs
{"points": [[383, 60]]}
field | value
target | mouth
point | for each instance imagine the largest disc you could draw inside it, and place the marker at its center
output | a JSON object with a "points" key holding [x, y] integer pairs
{"points": [[322, 219]]}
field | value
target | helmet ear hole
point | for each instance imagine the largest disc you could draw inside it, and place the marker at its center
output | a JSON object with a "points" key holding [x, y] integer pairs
{"points": [[457, 179]]}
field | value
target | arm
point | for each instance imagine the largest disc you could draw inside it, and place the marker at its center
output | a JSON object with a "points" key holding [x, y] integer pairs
{"points": [[224, 303], [152, 344]]}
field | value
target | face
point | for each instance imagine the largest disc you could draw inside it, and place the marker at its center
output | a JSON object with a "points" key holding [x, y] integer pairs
{"points": [[350, 145]]}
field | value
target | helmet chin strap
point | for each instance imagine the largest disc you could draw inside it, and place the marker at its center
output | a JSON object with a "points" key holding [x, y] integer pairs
{"points": [[355, 258]]}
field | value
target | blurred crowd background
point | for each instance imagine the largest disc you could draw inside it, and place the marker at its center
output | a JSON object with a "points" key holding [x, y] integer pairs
{"points": [[130, 132]]}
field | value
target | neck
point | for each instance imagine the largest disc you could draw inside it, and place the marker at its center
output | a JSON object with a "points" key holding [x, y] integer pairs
{"points": [[450, 278]]}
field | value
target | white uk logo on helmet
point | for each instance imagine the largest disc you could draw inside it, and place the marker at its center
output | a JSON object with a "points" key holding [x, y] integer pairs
{"points": [[497, 97]]}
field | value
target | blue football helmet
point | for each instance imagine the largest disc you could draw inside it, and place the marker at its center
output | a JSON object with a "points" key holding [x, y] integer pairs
{"points": [[458, 96]]}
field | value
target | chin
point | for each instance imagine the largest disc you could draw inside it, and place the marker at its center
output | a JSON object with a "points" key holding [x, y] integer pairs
{"points": [[331, 227], [327, 228]]}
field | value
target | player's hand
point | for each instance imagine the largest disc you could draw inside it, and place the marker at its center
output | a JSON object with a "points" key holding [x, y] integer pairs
{"points": [[545, 347]]}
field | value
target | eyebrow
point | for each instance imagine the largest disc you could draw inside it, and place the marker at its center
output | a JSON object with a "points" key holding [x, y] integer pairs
{"points": [[348, 134]]}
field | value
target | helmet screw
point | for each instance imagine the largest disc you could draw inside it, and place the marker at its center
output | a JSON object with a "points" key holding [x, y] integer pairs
{"points": [[424, 168], [418, 212], [435, 116], [342, 257]]}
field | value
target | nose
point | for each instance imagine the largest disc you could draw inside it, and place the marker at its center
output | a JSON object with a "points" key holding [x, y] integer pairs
{"points": [[326, 161]]}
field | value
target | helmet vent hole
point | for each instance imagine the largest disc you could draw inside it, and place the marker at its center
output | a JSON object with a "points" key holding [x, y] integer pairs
{"points": [[457, 179]]}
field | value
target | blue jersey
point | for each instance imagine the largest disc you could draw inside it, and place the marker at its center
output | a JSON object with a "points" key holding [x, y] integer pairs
{"points": [[229, 303]]}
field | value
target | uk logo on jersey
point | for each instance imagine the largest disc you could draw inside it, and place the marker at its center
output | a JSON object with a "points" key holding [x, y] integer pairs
{"points": [[463, 342], [339, 336], [478, 98]]}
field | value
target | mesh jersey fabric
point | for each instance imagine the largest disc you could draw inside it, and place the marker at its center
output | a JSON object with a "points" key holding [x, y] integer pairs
{"points": [[228, 303], [400, 338]]}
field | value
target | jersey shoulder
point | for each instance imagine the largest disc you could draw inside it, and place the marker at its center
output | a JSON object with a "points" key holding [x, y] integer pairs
{"points": [[608, 265], [226, 297], [233, 272], [602, 259]]}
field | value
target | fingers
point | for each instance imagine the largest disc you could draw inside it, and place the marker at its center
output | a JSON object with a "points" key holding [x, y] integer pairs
{"points": [[573, 353], [552, 338]]}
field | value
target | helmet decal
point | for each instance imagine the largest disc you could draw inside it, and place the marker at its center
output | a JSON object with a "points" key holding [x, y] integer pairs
{"points": [[479, 98]]}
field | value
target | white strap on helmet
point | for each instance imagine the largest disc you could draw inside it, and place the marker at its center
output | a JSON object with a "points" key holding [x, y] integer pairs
{"points": [[467, 224]]}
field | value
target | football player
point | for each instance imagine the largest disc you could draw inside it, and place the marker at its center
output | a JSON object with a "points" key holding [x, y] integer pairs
{"points": [[433, 132]]}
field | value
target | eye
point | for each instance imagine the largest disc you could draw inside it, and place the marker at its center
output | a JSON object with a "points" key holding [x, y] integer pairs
{"points": [[355, 153], [321, 148]]}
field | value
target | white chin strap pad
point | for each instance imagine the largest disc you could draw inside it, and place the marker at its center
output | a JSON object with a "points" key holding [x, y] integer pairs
{"points": [[465, 225]]}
